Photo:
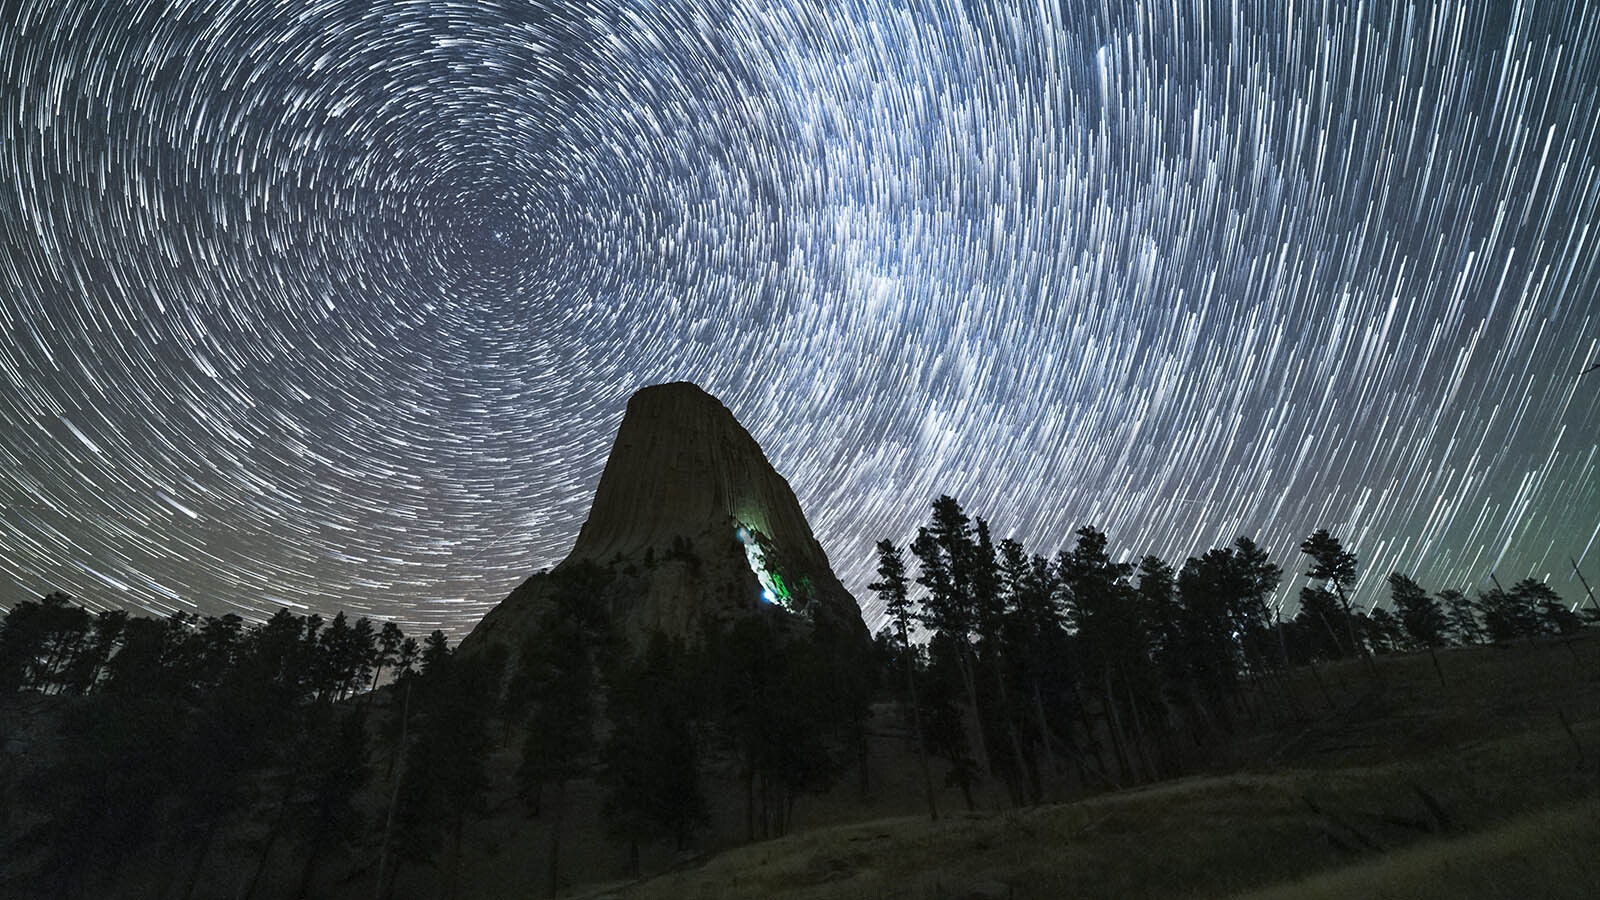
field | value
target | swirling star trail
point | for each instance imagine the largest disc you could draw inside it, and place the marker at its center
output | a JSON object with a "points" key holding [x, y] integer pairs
{"points": [[336, 304]]}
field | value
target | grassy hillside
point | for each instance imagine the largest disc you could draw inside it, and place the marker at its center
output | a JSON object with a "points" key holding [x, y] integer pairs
{"points": [[1475, 778]]}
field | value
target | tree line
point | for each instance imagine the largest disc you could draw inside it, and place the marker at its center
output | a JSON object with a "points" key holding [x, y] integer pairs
{"points": [[776, 701], [178, 736], [1020, 667], [164, 733], [56, 646]]}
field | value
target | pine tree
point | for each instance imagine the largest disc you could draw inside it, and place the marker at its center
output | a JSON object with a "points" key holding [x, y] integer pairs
{"points": [[88, 665], [1337, 567], [893, 589], [1035, 652], [444, 778], [1318, 617], [1384, 631], [1114, 645], [947, 551], [39, 642], [1420, 615], [1549, 612], [1461, 616], [943, 718], [386, 652], [652, 755], [559, 666], [1255, 579]]}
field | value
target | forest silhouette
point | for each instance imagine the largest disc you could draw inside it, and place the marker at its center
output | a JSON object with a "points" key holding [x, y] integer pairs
{"points": [[339, 752]]}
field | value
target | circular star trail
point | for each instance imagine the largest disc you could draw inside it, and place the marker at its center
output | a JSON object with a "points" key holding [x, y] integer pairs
{"points": [[336, 304]]}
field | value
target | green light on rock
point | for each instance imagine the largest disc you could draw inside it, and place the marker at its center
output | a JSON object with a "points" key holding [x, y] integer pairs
{"points": [[773, 590]]}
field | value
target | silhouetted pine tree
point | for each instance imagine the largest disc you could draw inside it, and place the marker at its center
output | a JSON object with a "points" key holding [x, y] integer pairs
{"points": [[944, 716], [892, 587], [1336, 566], [1550, 612], [39, 641], [790, 737], [1207, 650], [1383, 631], [443, 780], [651, 759], [1320, 619], [386, 651], [1463, 626], [1420, 615], [188, 718], [1113, 644], [1255, 578], [335, 769], [995, 663], [84, 671], [947, 551], [559, 670], [1038, 658], [1506, 615]]}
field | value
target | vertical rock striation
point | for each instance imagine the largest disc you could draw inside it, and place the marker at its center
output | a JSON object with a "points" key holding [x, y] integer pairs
{"points": [[694, 527]]}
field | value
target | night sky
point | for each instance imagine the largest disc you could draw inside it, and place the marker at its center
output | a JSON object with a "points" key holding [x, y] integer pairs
{"points": [[336, 305]]}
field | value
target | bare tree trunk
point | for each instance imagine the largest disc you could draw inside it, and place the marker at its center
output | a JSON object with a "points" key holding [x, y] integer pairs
{"points": [[1284, 671], [394, 793], [1095, 746], [964, 661], [1140, 742], [273, 833], [1439, 671], [1119, 740], [1046, 739], [1350, 625], [1011, 730], [1333, 635], [916, 727]]}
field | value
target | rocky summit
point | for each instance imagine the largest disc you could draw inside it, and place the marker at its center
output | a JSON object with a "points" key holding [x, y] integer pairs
{"points": [[691, 527]]}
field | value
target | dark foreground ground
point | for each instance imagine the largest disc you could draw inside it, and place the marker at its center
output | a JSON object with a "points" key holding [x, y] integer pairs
{"points": [[1472, 774], [1473, 778]]}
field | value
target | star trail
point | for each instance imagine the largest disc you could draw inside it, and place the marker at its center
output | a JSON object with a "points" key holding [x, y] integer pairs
{"points": [[336, 305]]}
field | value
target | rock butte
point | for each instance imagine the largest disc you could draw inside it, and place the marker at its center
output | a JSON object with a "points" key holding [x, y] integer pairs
{"points": [[696, 528]]}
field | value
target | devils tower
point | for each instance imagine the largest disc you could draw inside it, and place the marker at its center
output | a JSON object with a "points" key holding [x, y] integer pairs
{"points": [[692, 528]]}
